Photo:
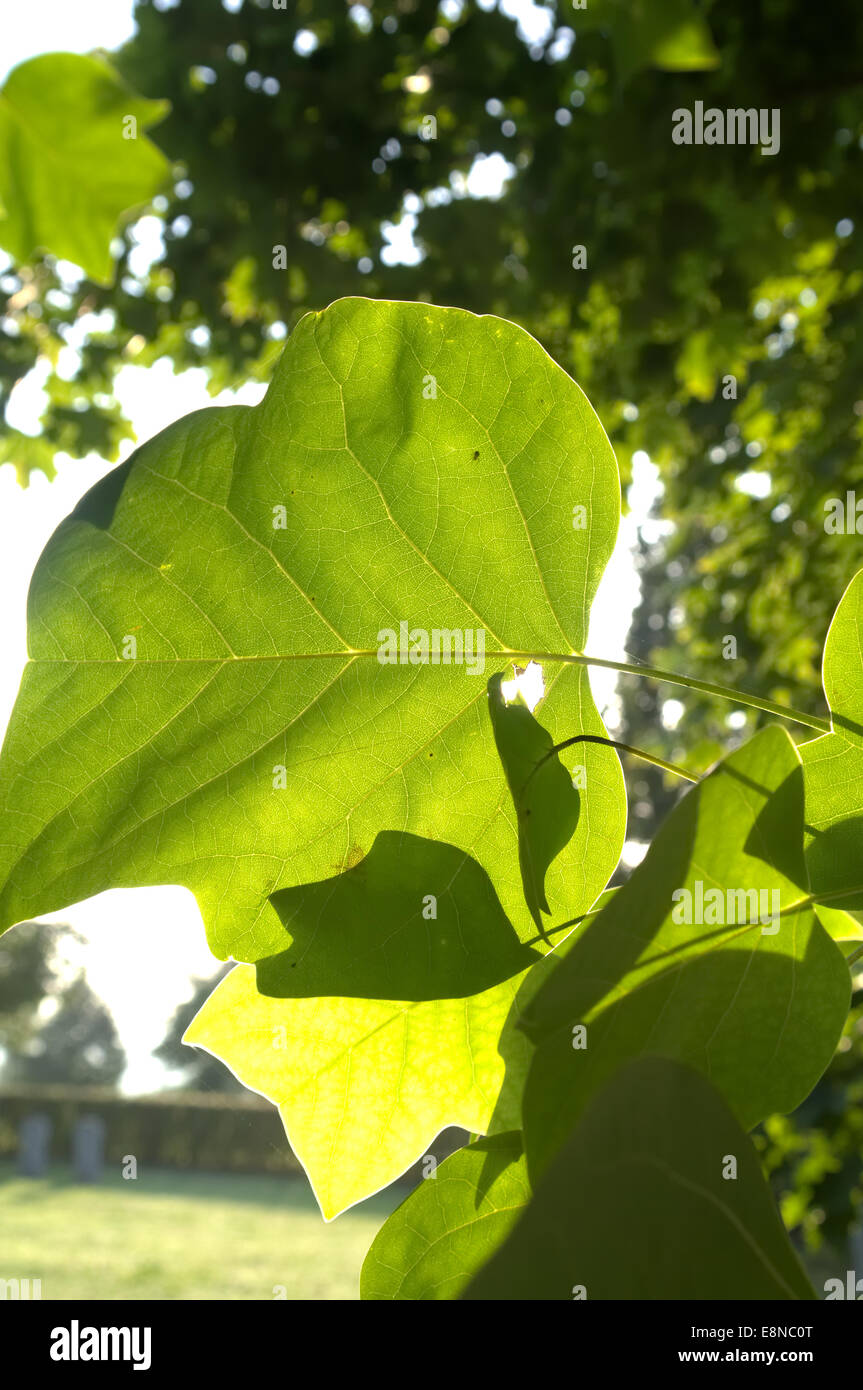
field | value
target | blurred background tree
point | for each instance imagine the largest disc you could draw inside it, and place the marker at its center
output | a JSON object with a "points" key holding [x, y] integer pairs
{"points": [[28, 974], [74, 1041], [198, 1070]]}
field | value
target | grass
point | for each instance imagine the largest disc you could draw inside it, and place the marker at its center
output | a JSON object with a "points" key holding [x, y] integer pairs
{"points": [[169, 1235]]}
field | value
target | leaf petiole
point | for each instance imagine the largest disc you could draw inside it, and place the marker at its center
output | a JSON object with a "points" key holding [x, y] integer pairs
{"points": [[739, 697], [674, 768]]}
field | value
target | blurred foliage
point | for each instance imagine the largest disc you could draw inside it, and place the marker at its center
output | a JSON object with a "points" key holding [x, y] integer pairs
{"points": [[199, 1070], [77, 1042], [77, 1045], [28, 973], [300, 135], [72, 165]]}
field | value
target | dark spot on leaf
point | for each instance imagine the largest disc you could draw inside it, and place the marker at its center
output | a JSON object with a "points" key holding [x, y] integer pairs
{"points": [[476, 453]]}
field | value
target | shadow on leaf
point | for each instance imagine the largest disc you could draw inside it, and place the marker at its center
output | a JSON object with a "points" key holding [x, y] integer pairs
{"points": [[415, 920]]}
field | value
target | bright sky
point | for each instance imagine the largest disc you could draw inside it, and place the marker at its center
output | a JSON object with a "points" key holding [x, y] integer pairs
{"points": [[55, 26], [144, 945]]}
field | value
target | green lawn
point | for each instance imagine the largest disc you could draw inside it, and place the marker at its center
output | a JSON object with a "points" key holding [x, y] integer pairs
{"points": [[173, 1235]]}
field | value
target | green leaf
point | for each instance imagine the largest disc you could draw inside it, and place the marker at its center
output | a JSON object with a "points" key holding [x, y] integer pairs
{"points": [[414, 920], [27, 453], [450, 1224], [364, 1085], [671, 35], [759, 1012], [255, 741], [833, 764], [638, 1204], [67, 171], [545, 799], [838, 924]]}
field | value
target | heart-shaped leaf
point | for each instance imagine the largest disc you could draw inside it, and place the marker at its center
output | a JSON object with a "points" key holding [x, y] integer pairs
{"points": [[259, 643]]}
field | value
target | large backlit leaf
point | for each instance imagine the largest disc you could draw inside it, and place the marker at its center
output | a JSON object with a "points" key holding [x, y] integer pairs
{"points": [[408, 464], [642, 1202], [73, 159], [450, 1224], [760, 1012]]}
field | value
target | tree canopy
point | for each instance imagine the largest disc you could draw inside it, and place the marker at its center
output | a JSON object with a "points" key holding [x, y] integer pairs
{"points": [[299, 136]]}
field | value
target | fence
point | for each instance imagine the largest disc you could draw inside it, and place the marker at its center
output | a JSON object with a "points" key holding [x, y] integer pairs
{"points": [[192, 1130], [175, 1129]]}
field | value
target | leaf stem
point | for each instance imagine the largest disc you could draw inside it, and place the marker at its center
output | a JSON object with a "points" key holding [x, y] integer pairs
{"points": [[725, 692], [675, 768], [811, 900], [573, 922]]}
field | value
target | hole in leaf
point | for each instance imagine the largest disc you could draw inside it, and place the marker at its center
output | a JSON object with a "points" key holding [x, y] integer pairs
{"points": [[528, 682]]}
